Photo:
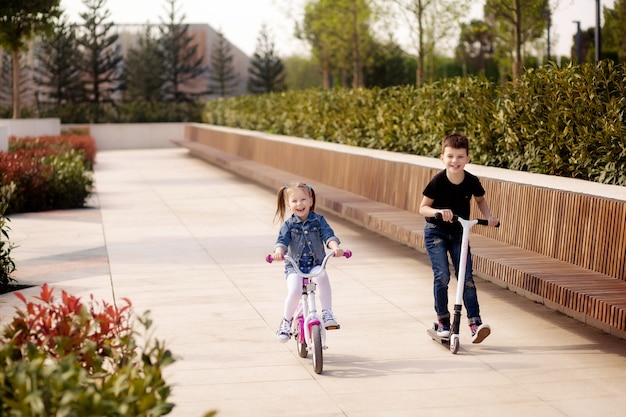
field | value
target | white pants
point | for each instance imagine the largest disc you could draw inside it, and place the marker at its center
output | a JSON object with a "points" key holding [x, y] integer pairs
{"points": [[294, 292]]}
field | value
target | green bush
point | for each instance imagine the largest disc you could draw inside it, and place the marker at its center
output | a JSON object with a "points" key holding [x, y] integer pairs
{"points": [[567, 122], [67, 358], [68, 141], [119, 112], [7, 265], [48, 173], [146, 112]]}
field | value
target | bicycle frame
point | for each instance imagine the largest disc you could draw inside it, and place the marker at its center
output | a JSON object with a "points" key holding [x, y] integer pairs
{"points": [[306, 315]]}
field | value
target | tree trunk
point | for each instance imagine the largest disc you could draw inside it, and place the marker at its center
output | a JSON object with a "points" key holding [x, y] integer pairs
{"points": [[419, 71], [16, 84], [357, 70], [325, 70], [517, 60]]}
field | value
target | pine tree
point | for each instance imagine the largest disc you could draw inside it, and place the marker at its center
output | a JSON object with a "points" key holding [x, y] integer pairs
{"points": [[102, 57], [266, 71], [144, 70], [184, 69], [223, 76], [57, 73]]}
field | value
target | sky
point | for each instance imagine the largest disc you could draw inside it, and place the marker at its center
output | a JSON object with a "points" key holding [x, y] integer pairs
{"points": [[241, 20]]}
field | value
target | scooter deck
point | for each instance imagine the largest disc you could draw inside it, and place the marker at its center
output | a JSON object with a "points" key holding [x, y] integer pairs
{"points": [[432, 332]]}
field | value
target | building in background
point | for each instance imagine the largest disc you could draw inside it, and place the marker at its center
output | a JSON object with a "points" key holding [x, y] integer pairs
{"points": [[129, 34]]}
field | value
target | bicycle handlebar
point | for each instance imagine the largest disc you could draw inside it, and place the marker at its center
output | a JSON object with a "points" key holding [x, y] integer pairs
{"points": [[346, 253]]}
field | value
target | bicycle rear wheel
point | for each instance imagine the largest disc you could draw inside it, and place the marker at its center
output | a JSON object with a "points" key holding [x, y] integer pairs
{"points": [[318, 359]]}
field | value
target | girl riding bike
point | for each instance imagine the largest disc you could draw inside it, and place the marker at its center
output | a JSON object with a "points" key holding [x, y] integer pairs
{"points": [[303, 236]]}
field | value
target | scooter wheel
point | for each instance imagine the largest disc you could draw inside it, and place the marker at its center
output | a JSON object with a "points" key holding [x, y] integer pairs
{"points": [[454, 343]]}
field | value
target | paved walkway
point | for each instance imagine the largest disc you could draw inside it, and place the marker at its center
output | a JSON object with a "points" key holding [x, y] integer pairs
{"points": [[187, 241]]}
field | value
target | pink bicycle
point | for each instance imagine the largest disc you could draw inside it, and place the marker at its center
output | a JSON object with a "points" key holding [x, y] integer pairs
{"points": [[306, 326]]}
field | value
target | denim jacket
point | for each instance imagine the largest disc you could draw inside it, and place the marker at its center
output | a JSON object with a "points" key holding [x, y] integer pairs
{"points": [[298, 237]]}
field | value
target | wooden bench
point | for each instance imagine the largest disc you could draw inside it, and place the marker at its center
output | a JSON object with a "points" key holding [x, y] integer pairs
{"points": [[592, 297]]}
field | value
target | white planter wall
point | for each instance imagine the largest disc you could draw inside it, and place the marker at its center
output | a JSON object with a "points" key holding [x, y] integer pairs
{"points": [[116, 136], [31, 127]]}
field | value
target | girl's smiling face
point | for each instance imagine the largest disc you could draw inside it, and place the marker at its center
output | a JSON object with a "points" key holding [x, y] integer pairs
{"points": [[299, 202]]}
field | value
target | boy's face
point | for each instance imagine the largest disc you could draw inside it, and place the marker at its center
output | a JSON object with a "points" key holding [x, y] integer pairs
{"points": [[454, 159], [299, 202]]}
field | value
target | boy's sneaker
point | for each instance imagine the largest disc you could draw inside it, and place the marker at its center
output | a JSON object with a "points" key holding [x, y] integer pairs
{"points": [[329, 320], [284, 331], [480, 332], [443, 329]]}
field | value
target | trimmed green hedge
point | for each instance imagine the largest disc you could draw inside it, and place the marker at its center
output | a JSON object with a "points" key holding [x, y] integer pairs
{"points": [[48, 173], [559, 121]]}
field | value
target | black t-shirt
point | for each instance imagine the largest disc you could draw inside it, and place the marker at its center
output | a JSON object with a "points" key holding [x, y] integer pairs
{"points": [[446, 195]]}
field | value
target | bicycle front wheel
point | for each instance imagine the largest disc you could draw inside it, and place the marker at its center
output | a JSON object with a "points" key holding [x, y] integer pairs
{"points": [[301, 342], [318, 359]]}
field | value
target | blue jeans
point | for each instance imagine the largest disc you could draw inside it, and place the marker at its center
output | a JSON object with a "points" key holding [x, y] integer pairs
{"points": [[438, 245]]}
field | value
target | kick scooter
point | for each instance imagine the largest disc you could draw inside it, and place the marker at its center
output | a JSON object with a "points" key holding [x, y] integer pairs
{"points": [[306, 325], [453, 339]]}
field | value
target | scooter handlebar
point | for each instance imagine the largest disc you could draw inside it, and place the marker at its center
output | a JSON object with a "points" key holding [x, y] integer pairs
{"points": [[485, 222], [482, 222]]}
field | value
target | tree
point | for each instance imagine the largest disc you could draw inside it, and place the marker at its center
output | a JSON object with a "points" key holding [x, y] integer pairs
{"points": [[58, 72], [144, 70], [614, 30], [302, 73], [223, 77], [266, 71], [183, 64], [338, 32], [516, 22], [20, 22], [390, 66], [476, 46], [432, 23], [102, 58]]}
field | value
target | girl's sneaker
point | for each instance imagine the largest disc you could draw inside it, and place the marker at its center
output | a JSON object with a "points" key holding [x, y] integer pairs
{"points": [[480, 332], [284, 331], [329, 320]]}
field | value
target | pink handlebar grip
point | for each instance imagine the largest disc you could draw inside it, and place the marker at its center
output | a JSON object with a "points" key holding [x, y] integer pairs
{"points": [[347, 253], [269, 259]]}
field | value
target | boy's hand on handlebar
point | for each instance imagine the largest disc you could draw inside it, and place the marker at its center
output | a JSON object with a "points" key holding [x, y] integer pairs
{"points": [[447, 215], [493, 221]]}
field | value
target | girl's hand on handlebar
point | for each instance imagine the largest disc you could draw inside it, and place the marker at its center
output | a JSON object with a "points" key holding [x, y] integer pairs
{"points": [[278, 256], [338, 252]]}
